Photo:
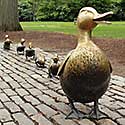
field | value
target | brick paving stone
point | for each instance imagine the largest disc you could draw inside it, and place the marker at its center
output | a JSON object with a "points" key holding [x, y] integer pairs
{"points": [[36, 76], [17, 100], [62, 99], [43, 80], [53, 86], [109, 93], [8, 71], [22, 92], [29, 72], [10, 92], [17, 78], [45, 75], [28, 109], [22, 119], [106, 122], [121, 121], [119, 83], [14, 84], [5, 115], [117, 92], [61, 92], [60, 119], [26, 85], [30, 80], [7, 78], [9, 123], [121, 104], [86, 122], [32, 100], [12, 107], [112, 114], [46, 110], [0, 90], [0, 79], [118, 78], [122, 112], [118, 88], [21, 69], [62, 107], [24, 75], [40, 86], [40, 72], [4, 85], [41, 120], [119, 98], [3, 97], [51, 93], [35, 91], [114, 105], [1, 105], [46, 99]]}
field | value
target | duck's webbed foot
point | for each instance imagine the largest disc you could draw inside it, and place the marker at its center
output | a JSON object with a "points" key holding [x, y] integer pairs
{"points": [[95, 113], [74, 114]]}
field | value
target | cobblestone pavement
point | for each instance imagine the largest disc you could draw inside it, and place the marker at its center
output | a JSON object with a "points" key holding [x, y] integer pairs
{"points": [[29, 97]]}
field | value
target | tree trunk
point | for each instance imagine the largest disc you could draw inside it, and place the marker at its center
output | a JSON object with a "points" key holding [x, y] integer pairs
{"points": [[9, 15]]}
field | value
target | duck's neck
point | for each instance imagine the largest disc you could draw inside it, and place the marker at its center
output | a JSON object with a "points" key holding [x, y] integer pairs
{"points": [[83, 38]]}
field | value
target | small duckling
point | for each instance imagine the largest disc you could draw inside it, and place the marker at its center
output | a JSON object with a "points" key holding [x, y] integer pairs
{"points": [[30, 52], [21, 47], [7, 43], [54, 66], [40, 60]]}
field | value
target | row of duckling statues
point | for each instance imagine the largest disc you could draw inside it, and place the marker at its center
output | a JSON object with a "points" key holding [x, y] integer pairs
{"points": [[86, 71], [30, 54]]}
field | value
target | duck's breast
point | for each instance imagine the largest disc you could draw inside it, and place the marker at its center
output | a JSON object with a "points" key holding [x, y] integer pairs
{"points": [[87, 72]]}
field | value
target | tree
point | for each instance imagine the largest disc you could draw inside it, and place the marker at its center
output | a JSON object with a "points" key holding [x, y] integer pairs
{"points": [[9, 15]]}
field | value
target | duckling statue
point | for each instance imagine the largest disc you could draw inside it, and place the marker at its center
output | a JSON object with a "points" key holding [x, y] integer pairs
{"points": [[7, 43], [40, 60], [54, 66], [85, 72], [30, 52], [20, 48]]}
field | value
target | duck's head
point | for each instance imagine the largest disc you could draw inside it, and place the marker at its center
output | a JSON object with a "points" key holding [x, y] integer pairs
{"points": [[30, 45], [88, 18], [6, 36], [23, 41], [56, 58]]}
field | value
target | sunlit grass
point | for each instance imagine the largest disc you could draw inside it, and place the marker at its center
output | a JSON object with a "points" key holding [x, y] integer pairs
{"points": [[115, 30]]}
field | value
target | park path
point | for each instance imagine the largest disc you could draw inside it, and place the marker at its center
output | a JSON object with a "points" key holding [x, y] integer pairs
{"points": [[29, 97]]}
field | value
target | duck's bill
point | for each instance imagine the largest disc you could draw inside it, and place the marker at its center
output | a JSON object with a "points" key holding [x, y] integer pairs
{"points": [[100, 18]]}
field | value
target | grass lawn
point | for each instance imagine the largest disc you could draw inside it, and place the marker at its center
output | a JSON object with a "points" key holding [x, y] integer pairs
{"points": [[115, 30]]}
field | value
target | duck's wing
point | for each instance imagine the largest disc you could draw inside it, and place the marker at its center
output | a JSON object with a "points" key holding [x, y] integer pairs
{"points": [[61, 67]]}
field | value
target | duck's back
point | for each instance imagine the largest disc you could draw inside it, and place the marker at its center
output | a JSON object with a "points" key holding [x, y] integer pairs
{"points": [[86, 74]]}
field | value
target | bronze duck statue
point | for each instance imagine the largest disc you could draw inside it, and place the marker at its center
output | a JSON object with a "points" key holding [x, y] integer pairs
{"points": [[40, 60], [7, 43], [30, 52], [54, 66], [20, 48], [85, 72]]}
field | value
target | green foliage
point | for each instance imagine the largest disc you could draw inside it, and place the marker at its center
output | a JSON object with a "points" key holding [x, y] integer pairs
{"points": [[66, 10], [25, 11]]}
